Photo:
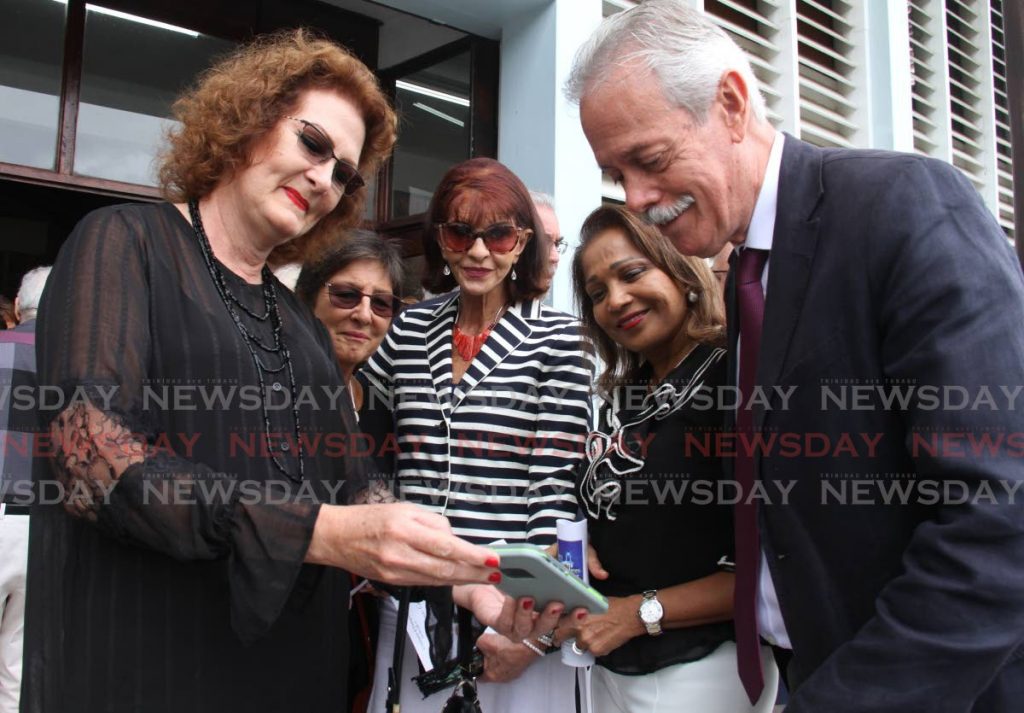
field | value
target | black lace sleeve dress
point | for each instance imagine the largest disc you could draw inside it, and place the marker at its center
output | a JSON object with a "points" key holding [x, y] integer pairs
{"points": [[170, 577]]}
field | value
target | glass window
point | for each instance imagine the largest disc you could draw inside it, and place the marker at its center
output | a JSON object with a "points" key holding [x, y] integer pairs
{"points": [[132, 70], [31, 45], [370, 206], [434, 125]]}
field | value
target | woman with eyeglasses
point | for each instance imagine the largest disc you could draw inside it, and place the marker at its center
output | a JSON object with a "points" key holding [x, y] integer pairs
{"points": [[197, 561], [351, 289], [491, 393]]}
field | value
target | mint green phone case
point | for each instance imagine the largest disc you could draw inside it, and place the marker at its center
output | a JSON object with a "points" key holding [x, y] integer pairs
{"points": [[529, 572]]}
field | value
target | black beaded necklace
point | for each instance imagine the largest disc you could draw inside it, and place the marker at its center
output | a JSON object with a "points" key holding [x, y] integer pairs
{"points": [[253, 343]]}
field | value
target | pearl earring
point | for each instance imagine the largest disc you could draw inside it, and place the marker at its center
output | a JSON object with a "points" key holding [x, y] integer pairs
{"points": [[692, 297]]}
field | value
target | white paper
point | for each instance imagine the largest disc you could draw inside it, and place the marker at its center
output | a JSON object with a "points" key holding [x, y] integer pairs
{"points": [[417, 628], [572, 553]]}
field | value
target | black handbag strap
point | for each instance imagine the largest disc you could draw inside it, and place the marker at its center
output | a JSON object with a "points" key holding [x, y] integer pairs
{"points": [[466, 641], [464, 698], [394, 700]]}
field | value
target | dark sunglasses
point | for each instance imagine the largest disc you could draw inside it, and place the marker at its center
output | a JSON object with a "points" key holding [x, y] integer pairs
{"points": [[382, 304], [459, 237], [320, 149]]}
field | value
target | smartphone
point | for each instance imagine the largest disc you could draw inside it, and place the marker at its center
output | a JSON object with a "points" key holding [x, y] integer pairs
{"points": [[530, 572]]}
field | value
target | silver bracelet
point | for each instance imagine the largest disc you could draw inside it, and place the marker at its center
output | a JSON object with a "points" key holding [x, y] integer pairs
{"points": [[528, 644], [547, 639]]}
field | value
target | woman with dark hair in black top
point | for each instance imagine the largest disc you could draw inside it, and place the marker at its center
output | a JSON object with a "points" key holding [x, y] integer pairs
{"points": [[658, 530], [352, 289]]}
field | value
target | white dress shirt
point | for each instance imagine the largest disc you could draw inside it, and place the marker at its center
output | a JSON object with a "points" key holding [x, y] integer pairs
{"points": [[760, 235]]}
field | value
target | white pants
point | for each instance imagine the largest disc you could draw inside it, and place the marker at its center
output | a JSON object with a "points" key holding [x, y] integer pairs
{"points": [[13, 567], [547, 686], [710, 685]]}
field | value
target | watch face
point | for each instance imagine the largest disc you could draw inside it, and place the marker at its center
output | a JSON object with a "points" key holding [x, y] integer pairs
{"points": [[651, 611]]}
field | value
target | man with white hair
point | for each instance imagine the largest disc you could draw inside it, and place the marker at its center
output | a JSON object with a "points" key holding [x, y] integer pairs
{"points": [[854, 269], [18, 423], [545, 206]]}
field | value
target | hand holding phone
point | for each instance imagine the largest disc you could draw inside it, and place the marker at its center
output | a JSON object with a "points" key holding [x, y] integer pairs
{"points": [[530, 572]]}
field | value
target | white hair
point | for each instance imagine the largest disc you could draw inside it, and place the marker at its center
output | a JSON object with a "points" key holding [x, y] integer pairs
{"points": [[684, 49], [542, 200], [31, 291]]}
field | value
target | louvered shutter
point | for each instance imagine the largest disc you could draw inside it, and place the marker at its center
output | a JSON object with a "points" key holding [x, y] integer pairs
{"points": [[965, 98], [826, 72], [1004, 168], [750, 24]]}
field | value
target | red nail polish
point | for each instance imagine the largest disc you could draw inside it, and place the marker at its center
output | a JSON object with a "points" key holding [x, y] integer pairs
{"points": [[492, 561], [494, 577], [581, 616], [527, 604]]}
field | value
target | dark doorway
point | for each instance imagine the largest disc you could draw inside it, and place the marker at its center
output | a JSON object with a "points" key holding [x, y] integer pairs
{"points": [[34, 222]]}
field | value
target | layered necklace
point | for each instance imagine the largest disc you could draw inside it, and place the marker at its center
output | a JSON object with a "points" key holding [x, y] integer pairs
{"points": [[469, 345], [258, 349]]}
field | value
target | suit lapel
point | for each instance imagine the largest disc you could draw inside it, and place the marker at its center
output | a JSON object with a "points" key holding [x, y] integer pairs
{"points": [[793, 243], [505, 338], [438, 342]]}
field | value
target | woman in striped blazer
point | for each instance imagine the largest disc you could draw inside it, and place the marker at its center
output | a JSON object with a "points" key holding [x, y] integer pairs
{"points": [[491, 394]]}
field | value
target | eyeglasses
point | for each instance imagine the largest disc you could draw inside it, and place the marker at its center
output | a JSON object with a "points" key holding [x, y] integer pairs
{"points": [[459, 237], [320, 149], [558, 241], [382, 304]]}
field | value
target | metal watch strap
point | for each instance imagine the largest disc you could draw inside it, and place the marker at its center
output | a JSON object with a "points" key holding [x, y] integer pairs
{"points": [[655, 628]]}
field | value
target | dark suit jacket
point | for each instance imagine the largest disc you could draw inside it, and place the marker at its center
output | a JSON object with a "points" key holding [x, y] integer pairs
{"points": [[887, 271]]}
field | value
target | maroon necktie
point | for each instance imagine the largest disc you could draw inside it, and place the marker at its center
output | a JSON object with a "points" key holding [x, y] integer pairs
{"points": [[750, 303]]}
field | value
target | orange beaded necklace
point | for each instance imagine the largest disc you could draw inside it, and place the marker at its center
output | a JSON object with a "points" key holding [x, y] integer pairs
{"points": [[469, 345]]}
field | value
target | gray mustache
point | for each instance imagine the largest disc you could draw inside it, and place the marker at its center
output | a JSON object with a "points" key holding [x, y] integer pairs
{"points": [[661, 214]]}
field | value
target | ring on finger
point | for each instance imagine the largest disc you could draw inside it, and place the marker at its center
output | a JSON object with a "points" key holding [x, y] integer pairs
{"points": [[547, 639]]}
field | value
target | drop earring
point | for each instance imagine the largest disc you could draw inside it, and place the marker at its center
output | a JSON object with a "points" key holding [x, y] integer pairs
{"points": [[514, 274], [447, 270]]}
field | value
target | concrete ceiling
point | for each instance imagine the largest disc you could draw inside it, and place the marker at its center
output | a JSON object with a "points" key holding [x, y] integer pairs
{"points": [[480, 17]]}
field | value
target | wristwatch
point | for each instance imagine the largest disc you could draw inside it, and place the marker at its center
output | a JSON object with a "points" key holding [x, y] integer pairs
{"points": [[651, 612]]}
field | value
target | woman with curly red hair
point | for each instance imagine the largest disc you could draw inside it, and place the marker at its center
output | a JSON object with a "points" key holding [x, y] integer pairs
{"points": [[203, 462]]}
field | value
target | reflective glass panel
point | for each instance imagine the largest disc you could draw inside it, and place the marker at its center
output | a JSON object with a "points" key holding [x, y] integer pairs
{"points": [[31, 45], [433, 134], [132, 70], [370, 207]]}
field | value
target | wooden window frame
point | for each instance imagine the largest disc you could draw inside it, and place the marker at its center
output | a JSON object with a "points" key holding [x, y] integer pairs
{"points": [[232, 20], [483, 125]]}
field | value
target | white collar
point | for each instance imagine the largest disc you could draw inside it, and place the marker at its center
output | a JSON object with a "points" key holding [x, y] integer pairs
{"points": [[762, 222]]}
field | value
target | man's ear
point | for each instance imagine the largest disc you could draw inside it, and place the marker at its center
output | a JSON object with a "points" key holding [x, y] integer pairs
{"points": [[733, 99], [17, 310]]}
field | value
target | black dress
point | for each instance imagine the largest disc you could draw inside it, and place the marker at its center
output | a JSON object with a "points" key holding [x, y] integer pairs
{"points": [[185, 589], [652, 510]]}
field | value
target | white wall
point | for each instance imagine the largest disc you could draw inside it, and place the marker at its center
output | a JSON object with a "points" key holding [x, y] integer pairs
{"points": [[539, 134]]}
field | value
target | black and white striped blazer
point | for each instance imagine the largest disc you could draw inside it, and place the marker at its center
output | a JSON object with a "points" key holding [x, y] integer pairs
{"points": [[496, 453]]}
